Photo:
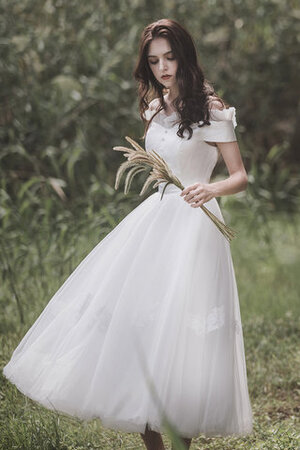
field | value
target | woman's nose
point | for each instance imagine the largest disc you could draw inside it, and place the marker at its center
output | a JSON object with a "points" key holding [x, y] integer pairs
{"points": [[162, 64]]}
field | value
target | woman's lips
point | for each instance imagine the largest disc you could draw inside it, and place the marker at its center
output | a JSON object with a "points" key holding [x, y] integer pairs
{"points": [[166, 77]]}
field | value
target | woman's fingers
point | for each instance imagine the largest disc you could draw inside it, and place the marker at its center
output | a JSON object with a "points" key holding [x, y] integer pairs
{"points": [[195, 198], [197, 203], [194, 193], [197, 195]]}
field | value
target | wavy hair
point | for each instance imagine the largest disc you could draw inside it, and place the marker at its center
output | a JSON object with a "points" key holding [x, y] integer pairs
{"points": [[195, 92]]}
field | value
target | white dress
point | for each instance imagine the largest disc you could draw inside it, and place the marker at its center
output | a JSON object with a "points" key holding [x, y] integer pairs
{"points": [[152, 309]]}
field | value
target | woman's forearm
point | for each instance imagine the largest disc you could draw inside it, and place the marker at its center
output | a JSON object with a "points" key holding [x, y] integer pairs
{"points": [[233, 184]]}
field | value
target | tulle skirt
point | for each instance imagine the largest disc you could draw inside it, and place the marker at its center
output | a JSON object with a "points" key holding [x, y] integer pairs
{"points": [[146, 327]]}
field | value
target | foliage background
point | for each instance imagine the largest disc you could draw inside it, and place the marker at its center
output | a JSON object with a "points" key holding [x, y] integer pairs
{"points": [[68, 94]]}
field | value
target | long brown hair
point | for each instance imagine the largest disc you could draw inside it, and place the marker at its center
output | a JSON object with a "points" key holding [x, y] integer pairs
{"points": [[195, 92]]}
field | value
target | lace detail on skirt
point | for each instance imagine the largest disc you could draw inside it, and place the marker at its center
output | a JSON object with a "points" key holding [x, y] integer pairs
{"points": [[198, 323], [237, 327], [205, 324]]}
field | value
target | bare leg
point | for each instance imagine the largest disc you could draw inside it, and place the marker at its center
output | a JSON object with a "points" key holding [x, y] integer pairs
{"points": [[152, 440], [187, 442]]}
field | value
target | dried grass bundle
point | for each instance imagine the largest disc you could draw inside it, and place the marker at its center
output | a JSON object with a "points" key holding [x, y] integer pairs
{"points": [[139, 160]]}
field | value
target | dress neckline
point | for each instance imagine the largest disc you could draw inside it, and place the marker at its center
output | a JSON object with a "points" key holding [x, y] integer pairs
{"points": [[168, 117]]}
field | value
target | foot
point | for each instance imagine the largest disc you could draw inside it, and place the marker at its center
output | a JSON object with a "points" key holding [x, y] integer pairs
{"points": [[152, 440]]}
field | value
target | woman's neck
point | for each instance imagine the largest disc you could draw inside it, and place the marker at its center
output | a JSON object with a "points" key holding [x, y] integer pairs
{"points": [[172, 94], [169, 98]]}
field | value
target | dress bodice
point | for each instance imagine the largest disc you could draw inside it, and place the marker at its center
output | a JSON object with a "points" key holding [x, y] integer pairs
{"points": [[191, 160]]}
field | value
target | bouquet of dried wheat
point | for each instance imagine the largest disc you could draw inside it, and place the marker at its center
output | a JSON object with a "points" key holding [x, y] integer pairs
{"points": [[139, 160]]}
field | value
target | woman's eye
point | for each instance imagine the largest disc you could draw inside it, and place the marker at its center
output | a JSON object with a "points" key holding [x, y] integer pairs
{"points": [[169, 59], [155, 62]]}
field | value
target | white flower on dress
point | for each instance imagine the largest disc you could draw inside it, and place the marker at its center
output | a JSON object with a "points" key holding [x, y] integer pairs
{"points": [[224, 114]]}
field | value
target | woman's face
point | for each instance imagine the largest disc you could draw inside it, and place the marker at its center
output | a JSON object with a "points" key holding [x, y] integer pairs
{"points": [[162, 62]]}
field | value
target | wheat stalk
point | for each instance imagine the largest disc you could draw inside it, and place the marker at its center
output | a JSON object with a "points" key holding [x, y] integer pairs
{"points": [[139, 160]]}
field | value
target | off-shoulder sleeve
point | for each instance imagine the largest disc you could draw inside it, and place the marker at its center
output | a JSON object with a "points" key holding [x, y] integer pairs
{"points": [[222, 125], [152, 109]]}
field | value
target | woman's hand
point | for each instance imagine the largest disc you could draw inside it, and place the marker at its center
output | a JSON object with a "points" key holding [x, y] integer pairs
{"points": [[198, 193]]}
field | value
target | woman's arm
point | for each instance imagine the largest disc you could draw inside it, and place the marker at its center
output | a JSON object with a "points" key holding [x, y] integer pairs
{"points": [[199, 193], [238, 179]]}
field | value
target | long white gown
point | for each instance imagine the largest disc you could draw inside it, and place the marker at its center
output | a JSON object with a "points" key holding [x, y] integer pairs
{"points": [[152, 310]]}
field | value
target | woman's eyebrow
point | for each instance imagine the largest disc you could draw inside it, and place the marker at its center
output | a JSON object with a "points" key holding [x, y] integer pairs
{"points": [[153, 56]]}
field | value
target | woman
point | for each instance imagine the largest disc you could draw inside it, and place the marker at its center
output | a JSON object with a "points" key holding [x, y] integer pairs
{"points": [[168, 61], [155, 303]]}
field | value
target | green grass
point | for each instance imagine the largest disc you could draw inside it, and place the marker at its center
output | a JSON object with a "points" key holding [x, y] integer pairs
{"points": [[266, 260]]}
